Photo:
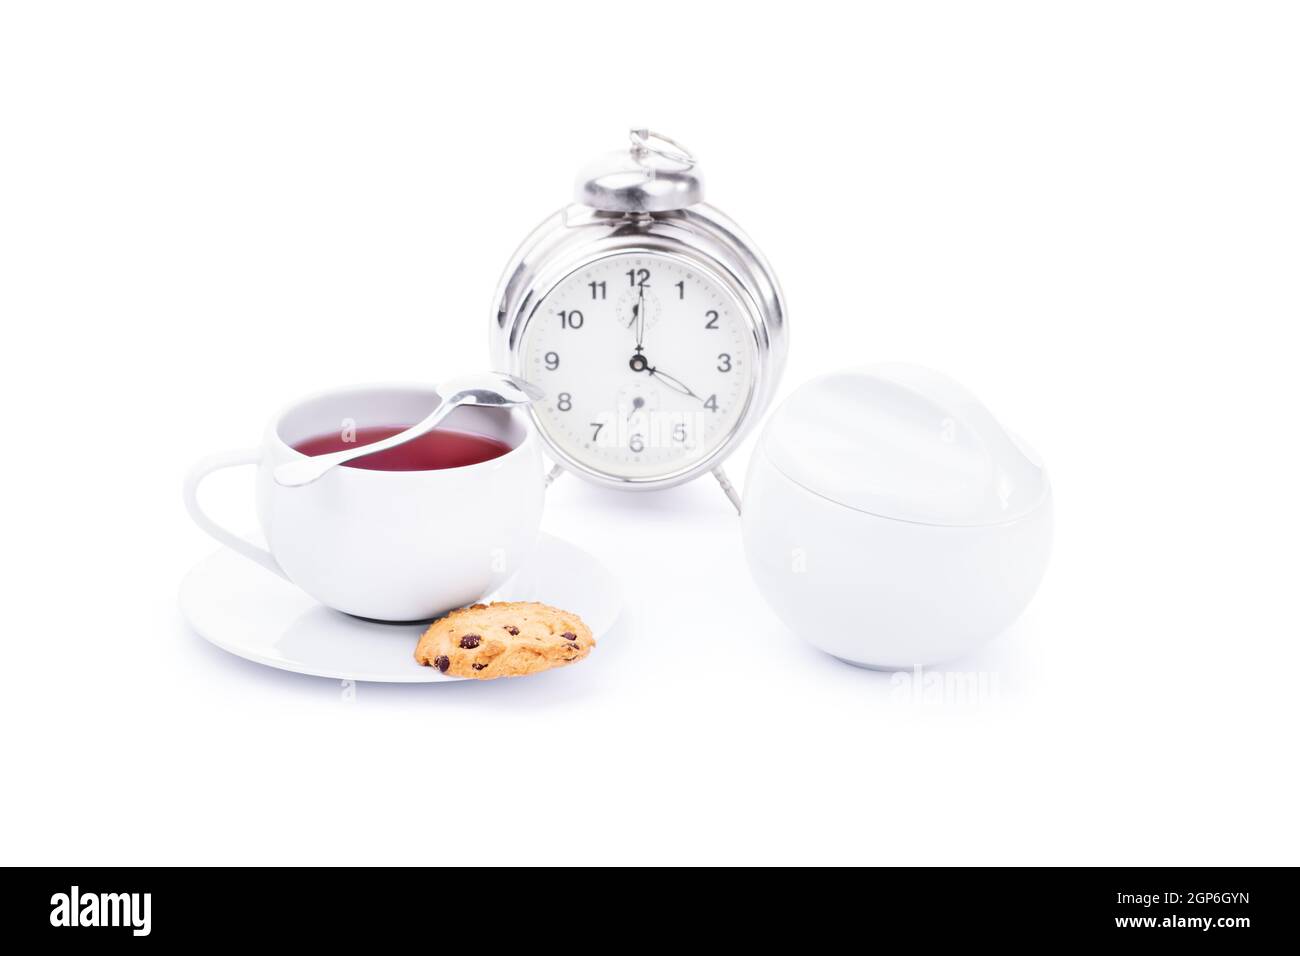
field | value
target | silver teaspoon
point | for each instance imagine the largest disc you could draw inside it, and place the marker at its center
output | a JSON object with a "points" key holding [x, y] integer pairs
{"points": [[491, 389]]}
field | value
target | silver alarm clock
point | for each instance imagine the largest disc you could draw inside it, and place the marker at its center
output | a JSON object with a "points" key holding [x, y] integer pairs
{"points": [[655, 327]]}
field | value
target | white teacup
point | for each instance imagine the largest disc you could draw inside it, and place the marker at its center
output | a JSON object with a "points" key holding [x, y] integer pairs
{"points": [[389, 545]]}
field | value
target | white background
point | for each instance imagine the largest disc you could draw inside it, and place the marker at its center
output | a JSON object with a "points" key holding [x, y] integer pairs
{"points": [[1086, 213]]}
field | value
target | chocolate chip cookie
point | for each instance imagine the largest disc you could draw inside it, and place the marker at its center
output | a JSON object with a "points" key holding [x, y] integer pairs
{"points": [[504, 639]]}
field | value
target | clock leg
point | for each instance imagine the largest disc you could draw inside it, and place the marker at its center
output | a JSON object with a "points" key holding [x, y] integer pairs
{"points": [[555, 472], [727, 488]]}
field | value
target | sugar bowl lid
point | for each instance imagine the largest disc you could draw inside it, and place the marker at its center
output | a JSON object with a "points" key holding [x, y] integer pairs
{"points": [[904, 442], [655, 174]]}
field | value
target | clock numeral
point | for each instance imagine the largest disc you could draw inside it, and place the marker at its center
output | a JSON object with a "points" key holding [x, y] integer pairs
{"points": [[712, 403], [597, 287], [636, 444], [724, 362], [679, 434], [552, 361], [596, 426], [638, 277], [564, 401], [712, 316], [681, 289], [570, 320]]}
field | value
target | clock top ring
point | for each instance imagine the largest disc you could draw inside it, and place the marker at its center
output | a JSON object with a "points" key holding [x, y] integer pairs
{"points": [[654, 325], [644, 140]]}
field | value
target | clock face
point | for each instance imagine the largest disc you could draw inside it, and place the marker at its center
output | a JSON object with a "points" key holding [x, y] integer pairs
{"points": [[648, 364]]}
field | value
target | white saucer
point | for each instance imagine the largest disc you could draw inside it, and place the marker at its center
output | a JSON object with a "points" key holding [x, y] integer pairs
{"points": [[248, 611]]}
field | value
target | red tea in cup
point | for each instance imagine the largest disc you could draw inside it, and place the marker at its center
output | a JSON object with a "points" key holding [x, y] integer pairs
{"points": [[435, 450]]}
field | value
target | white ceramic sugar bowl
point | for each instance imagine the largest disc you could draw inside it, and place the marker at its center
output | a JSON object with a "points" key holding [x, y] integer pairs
{"points": [[891, 521]]}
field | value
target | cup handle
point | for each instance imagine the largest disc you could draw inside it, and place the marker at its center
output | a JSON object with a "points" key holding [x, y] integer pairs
{"points": [[205, 467]]}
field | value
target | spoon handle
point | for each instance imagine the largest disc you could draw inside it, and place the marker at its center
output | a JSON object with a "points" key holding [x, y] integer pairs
{"points": [[304, 471]]}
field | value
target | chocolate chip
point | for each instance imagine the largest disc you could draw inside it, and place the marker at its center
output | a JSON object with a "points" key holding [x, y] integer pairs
{"points": [[512, 630], [470, 641], [478, 667], [574, 646], [442, 662], [569, 636]]}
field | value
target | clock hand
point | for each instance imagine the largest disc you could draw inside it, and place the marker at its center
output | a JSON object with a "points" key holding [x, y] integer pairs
{"points": [[640, 317], [675, 384], [639, 363]]}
